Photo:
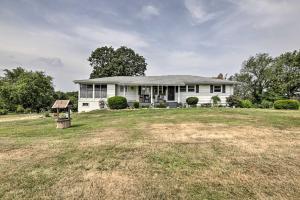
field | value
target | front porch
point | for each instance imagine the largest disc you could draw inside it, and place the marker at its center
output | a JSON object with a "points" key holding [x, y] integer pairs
{"points": [[150, 94]]}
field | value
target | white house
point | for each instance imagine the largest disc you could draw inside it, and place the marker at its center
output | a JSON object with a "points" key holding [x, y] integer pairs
{"points": [[172, 89]]}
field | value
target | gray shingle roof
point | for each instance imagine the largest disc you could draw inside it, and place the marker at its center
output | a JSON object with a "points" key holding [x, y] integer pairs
{"points": [[157, 80]]}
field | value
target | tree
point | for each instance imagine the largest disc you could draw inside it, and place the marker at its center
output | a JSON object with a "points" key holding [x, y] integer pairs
{"points": [[26, 88], [255, 77], [220, 76], [286, 70], [123, 61]]}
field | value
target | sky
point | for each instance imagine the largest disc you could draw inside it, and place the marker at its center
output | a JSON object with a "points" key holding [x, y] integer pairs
{"points": [[195, 37]]}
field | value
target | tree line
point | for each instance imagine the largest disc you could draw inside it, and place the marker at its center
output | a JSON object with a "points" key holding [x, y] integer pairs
{"points": [[31, 91], [263, 77]]}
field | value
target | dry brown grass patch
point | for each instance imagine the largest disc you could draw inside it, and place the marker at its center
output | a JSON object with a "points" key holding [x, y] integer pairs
{"points": [[37, 150], [107, 136], [247, 138], [95, 184]]}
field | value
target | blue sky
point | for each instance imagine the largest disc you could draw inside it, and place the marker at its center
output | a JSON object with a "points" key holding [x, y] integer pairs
{"points": [[198, 37]]}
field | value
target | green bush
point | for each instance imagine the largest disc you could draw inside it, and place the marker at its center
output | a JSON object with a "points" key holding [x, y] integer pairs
{"points": [[136, 104], [266, 104], [192, 101], [47, 114], [216, 100], [287, 104], [233, 100], [246, 104], [117, 102], [27, 110], [161, 105], [206, 105], [20, 109], [3, 111]]}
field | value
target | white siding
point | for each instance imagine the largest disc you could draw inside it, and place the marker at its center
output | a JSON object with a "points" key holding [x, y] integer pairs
{"points": [[93, 103], [204, 94], [131, 94], [111, 90]]}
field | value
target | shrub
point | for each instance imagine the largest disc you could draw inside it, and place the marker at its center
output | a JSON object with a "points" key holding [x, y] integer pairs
{"points": [[3, 111], [47, 114], [136, 104], [266, 104], [27, 110], [206, 105], [233, 100], [117, 102], [216, 100], [145, 106], [20, 109], [246, 104], [161, 105], [192, 101], [287, 104]]}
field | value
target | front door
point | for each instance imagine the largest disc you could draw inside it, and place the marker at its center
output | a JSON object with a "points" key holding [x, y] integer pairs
{"points": [[171, 93]]}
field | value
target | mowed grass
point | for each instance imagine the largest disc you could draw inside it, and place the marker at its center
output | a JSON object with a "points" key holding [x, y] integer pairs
{"points": [[153, 154]]}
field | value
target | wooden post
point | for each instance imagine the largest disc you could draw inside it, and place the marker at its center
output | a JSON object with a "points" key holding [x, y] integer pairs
{"points": [[69, 114]]}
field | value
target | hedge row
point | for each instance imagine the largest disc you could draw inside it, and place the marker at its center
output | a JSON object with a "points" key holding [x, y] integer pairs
{"points": [[286, 104]]}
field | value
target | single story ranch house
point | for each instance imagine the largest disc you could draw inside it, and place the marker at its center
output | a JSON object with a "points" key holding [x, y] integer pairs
{"points": [[150, 90]]}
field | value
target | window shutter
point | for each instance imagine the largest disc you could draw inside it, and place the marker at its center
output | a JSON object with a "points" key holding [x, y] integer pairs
{"points": [[211, 89], [224, 88], [140, 90], [197, 88], [176, 89]]}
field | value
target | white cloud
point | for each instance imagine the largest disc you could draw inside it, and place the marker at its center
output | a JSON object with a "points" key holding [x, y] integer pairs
{"points": [[268, 13], [198, 11], [110, 37], [148, 12]]}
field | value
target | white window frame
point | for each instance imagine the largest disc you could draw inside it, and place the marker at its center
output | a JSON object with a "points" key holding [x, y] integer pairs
{"points": [[103, 94], [217, 86], [191, 87], [182, 87]]}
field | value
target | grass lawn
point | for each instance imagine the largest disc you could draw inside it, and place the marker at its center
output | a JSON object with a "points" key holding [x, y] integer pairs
{"points": [[153, 154]]}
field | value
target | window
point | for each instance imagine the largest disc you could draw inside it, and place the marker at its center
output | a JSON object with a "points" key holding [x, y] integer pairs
{"points": [[191, 88], [86, 91], [103, 91], [197, 88], [89, 91], [217, 88], [100, 91], [182, 88], [122, 87], [85, 104]]}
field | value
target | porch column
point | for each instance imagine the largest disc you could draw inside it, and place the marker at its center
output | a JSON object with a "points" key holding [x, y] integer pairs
{"points": [[124, 91], [93, 91], [151, 94], [178, 96], [79, 90]]}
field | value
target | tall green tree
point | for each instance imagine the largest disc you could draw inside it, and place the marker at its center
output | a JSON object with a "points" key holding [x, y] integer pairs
{"points": [[255, 77], [286, 71], [106, 62], [27, 88]]}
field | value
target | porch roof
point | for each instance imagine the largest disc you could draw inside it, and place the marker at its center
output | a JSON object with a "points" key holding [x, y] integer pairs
{"points": [[157, 80]]}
